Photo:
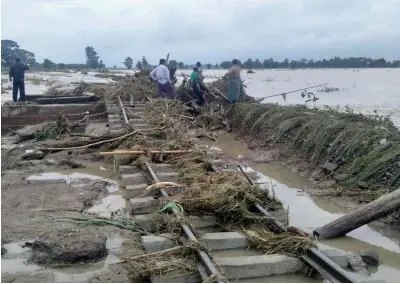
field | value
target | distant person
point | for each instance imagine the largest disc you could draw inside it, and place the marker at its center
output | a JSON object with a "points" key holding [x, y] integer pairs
{"points": [[195, 83], [198, 65], [17, 76], [161, 75], [235, 87]]}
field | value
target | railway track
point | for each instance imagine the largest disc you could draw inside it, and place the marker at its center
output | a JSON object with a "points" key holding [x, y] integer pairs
{"points": [[213, 239]]}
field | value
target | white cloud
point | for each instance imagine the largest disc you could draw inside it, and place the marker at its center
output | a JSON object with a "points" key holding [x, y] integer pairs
{"points": [[205, 30]]}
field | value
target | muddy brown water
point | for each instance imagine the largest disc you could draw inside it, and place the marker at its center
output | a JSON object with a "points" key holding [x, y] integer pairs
{"points": [[308, 212]]}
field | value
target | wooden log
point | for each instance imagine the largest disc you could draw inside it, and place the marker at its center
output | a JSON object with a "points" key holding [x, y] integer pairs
{"points": [[137, 152], [361, 216]]}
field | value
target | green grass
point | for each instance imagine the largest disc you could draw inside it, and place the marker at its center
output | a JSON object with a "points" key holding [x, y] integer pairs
{"points": [[350, 140]]}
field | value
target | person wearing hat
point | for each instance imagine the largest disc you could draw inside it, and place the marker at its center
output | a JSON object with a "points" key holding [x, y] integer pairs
{"points": [[17, 76]]}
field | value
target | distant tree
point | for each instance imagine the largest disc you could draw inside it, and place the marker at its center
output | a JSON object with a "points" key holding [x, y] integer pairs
{"points": [[128, 62], [216, 66], [115, 66], [92, 59], [181, 65], [144, 62], [47, 64], [248, 64], [139, 65], [61, 66], [101, 66], [187, 66], [226, 64], [257, 64], [208, 65], [10, 50]]}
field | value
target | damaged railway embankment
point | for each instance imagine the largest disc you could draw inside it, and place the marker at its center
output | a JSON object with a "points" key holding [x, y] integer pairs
{"points": [[358, 151]]}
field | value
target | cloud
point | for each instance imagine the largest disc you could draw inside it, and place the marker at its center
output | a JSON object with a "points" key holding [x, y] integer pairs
{"points": [[205, 30]]}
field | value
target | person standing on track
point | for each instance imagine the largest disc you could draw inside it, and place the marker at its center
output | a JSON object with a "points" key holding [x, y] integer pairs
{"points": [[161, 75], [17, 76], [235, 87], [195, 81]]}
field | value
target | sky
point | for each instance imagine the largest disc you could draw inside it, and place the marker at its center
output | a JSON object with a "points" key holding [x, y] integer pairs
{"points": [[203, 30]]}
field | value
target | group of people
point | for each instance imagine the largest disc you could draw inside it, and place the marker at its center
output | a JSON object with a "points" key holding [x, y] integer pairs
{"points": [[166, 90], [161, 74]]}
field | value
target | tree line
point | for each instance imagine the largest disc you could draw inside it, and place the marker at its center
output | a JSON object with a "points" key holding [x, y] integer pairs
{"points": [[336, 62], [11, 50]]}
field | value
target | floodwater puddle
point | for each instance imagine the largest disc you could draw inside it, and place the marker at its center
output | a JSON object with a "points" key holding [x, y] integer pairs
{"points": [[308, 212], [15, 261], [108, 205], [79, 177]]}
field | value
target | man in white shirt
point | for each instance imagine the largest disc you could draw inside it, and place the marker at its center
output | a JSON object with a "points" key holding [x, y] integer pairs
{"points": [[161, 75]]}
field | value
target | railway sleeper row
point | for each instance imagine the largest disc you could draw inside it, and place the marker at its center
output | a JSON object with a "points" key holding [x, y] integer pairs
{"points": [[142, 205], [210, 235]]}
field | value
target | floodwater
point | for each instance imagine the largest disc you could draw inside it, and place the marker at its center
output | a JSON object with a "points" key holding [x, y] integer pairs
{"points": [[308, 212], [112, 203], [363, 90]]}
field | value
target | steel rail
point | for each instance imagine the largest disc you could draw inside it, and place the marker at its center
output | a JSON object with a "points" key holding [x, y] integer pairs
{"points": [[325, 266], [204, 258], [121, 105]]}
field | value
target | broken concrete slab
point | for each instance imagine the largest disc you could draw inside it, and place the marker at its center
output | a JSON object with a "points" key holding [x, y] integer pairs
{"points": [[132, 179], [370, 257], [145, 205], [258, 266], [357, 264], [69, 246], [135, 191], [225, 240], [157, 243], [145, 222]]}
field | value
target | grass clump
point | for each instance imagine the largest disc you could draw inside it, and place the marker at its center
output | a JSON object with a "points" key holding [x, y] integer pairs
{"points": [[284, 243]]}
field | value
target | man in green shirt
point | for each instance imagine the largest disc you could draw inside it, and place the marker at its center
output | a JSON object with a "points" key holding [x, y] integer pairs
{"points": [[195, 83]]}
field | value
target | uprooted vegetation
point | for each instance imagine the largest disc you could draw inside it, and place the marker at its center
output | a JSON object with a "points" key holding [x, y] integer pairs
{"points": [[366, 149]]}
